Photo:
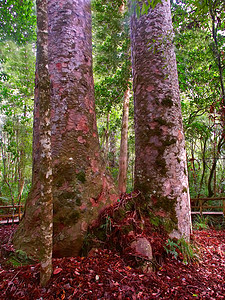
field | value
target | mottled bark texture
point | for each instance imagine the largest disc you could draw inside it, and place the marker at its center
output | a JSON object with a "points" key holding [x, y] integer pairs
{"points": [[81, 187], [37, 225], [160, 164], [123, 159], [45, 163]]}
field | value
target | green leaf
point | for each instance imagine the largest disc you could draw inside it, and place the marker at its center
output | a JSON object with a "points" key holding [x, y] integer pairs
{"points": [[138, 11], [144, 9]]}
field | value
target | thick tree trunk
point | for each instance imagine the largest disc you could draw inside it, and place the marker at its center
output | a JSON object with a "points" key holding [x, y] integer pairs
{"points": [[160, 165], [81, 186], [123, 159]]}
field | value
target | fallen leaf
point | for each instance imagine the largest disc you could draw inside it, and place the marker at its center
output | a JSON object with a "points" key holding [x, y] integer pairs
{"points": [[57, 271]]}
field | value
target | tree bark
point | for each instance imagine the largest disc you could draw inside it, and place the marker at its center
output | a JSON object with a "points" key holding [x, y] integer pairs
{"points": [[160, 164], [123, 159], [203, 166], [81, 186], [106, 147], [217, 54], [45, 202], [213, 168], [112, 150]]}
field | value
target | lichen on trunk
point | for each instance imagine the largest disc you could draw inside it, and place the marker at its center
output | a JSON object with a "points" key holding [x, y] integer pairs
{"points": [[81, 185], [160, 164]]}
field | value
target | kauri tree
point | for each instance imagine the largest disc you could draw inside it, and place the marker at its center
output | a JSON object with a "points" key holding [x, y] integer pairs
{"points": [[160, 164], [80, 186]]}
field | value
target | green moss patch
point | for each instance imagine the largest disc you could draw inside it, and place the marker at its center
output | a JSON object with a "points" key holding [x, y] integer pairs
{"points": [[167, 101], [81, 176]]}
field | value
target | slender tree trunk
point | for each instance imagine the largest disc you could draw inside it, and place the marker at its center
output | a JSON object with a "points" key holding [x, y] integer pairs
{"points": [[193, 165], [106, 147], [217, 55], [81, 186], [213, 168], [5, 175], [112, 150], [215, 154], [211, 176], [45, 164], [123, 159], [203, 166], [160, 164]]}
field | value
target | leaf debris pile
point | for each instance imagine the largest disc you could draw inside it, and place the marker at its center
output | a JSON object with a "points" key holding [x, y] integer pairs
{"points": [[106, 275], [120, 224]]}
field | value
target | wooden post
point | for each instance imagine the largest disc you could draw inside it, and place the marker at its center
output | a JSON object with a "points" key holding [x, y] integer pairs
{"points": [[201, 207], [13, 212], [224, 208]]}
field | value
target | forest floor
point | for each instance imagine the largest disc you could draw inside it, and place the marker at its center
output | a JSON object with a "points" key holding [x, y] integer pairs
{"points": [[106, 275]]}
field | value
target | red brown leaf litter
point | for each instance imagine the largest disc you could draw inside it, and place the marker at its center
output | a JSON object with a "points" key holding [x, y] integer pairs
{"points": [[105, 274]]}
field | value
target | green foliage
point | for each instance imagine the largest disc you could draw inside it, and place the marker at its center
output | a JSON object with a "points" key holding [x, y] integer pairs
{"points": [[107, 226], [112, 73], [110, 53], [141, 7], [181, 249], [20, 258], [221, 225], [206, 222], [17, 21], [197, 49], [201, 222], [4, 200], [16, 99], [17, 61], [156, 221]]}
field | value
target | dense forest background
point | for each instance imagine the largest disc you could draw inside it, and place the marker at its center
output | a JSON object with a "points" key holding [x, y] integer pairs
{"points": [[199, 39]]}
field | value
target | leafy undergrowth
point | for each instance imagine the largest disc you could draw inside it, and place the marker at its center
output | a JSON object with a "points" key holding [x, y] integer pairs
{"points": [[106, 275]]}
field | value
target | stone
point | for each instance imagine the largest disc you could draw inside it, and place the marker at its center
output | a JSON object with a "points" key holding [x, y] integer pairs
{"points": [[142, 247]]}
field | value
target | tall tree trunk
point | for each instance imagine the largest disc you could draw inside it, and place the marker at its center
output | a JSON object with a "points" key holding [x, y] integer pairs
{"points": [[45, 164], [213, 168], [160, 164], [35, 234], [112, 150], [106, 146], [193, 168], [203, 166], [217, 55], [122, 178], [81, 186]]}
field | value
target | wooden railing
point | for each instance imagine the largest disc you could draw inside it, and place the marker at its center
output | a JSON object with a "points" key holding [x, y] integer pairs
{"points": [[14, 213], [202, 208], [11, 213]]}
